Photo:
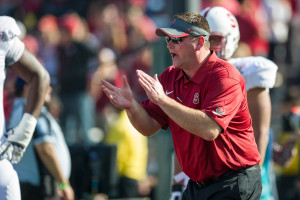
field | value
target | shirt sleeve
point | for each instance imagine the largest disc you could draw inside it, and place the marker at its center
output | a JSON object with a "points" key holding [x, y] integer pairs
{"points": [[9, 32], [42, 132], [156, 112], [256, 71], [16, 50], [223, 100]]}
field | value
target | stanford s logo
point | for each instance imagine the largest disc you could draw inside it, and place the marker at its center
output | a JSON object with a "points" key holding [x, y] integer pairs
{"points": [[196, 98]]}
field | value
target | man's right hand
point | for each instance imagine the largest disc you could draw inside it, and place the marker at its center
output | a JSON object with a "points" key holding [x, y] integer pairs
{"points": [[120, 97], [18, 139], [11, 151]]}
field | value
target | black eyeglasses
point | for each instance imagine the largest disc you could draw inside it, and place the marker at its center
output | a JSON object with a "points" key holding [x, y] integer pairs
{"points": [[178, 40], [175, 40]]}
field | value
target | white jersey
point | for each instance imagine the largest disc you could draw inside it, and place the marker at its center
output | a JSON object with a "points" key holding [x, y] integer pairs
{"points": [[11, 49], [257, 71]]}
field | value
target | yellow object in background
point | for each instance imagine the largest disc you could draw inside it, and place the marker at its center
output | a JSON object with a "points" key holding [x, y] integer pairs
{"points": [[132, 147], [293, 168]]}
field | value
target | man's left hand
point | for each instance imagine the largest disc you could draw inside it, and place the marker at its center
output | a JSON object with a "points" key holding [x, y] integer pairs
{"points": [[152, 86]]}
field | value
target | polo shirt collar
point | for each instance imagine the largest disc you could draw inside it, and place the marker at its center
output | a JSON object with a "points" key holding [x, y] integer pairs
{"points": [[197, 78]]}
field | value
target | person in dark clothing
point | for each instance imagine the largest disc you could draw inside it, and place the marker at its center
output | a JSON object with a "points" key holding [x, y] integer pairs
{"points": [[78, 107]]}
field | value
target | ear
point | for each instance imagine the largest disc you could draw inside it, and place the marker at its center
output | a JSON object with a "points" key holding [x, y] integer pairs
{"points": [[201, 41]]}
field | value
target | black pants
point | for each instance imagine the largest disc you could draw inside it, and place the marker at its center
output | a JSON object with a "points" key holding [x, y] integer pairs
{"points": [[31, 192], [128, 188], [240, 185]]}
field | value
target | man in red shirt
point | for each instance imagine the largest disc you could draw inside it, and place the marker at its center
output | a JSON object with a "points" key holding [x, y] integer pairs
{"points": [[203, 100]]}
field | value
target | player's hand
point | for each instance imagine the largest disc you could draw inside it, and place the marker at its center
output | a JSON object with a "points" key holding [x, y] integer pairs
{"points": [[18, 139], [176, 192], [11, 151], [152, 87], [120, 97]]}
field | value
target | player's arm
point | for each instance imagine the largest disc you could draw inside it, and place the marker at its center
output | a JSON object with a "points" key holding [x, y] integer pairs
{"points": [[260, 109], [47, 153], [37, 78], [35, 75]]}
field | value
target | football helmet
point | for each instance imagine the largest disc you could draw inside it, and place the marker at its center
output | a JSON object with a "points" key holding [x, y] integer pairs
{"points": [[224, 31]]}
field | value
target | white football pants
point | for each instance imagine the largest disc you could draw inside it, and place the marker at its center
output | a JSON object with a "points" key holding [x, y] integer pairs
{"points": [[9, 182]]}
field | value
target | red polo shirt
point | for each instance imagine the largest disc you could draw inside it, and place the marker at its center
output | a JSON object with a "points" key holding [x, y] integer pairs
{"points": [[219, 90]]}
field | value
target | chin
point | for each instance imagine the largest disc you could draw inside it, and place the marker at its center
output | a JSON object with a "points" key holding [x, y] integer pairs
{"points": [[175, 64]]}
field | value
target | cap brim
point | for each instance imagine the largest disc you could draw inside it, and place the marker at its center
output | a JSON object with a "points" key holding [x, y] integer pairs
{"points": [[171, 32]]}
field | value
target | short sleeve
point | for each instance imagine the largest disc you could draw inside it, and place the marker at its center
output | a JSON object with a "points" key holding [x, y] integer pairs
{"points": [[256, 71], [223, 100], [156, 112], [42, 132], [9, 32], [16, 50]]}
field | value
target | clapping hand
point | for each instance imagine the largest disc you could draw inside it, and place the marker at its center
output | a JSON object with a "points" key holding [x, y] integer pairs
{"points": [[152, 87], [120, 97]]}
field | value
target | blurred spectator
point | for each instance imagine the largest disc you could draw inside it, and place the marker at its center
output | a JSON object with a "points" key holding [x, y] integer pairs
{"points": [[107, 24], [232, 5], [143, 61], [48, 41], [141, 28], [31, 44], [74, 58], [279, 13], [55, 106], [132, 156], [286, 152], [109, 70], [46, 166], [253, 26]]}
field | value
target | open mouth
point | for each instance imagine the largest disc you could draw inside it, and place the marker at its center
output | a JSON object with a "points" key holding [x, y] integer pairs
{"points": [[173, 55]]}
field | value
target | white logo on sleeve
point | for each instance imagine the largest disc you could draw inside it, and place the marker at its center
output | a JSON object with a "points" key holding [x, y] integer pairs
{"points": [[167, 92]]}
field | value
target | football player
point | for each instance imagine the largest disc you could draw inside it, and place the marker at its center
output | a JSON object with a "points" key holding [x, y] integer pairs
{"points": [[13, 143]]}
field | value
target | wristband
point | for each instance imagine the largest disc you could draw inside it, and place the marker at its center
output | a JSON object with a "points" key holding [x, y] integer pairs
{"points": [[23, 132], [63, 186]]}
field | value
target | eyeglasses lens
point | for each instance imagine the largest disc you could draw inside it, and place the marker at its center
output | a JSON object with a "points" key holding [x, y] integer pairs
{"points": [[177, 40]]}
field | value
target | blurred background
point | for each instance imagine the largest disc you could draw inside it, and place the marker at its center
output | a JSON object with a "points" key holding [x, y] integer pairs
{"points": [[81, 42]]}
